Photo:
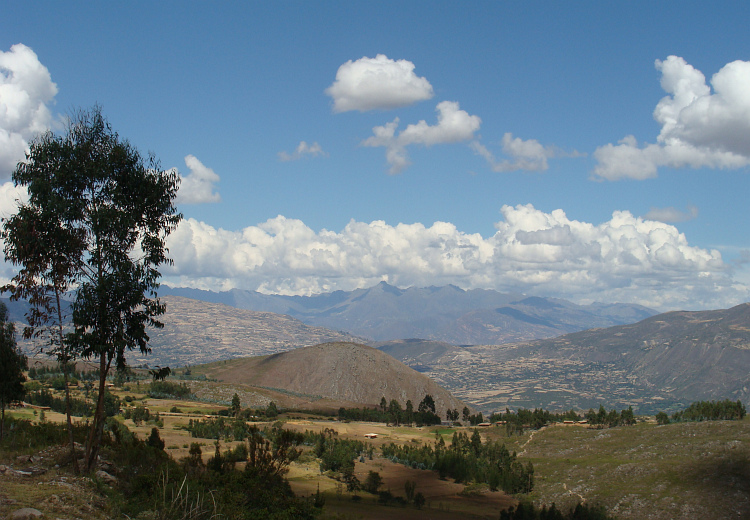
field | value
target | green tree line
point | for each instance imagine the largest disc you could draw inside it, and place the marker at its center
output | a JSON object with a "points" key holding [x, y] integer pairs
{"points": [[468, 459]]}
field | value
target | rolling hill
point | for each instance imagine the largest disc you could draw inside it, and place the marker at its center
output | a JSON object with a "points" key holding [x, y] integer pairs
{"points": [[340, 371]]}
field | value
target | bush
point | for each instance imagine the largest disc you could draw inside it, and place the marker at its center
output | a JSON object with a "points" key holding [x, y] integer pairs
{"points": [[154, 440], [373, 482]]}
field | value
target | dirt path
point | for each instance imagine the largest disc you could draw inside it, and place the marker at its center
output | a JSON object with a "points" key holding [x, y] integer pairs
{"points": [[531, 438], [571, 492]]}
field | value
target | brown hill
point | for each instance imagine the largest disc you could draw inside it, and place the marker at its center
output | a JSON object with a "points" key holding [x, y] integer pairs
{"points": [[340, 371], [198, 332]]}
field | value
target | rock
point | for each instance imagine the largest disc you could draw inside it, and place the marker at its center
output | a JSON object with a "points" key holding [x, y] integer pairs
{"points": [[27, 513], [106, 477]]}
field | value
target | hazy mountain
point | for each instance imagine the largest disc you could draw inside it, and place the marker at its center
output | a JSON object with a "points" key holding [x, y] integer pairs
{"points": [[665, 361], [448, 313], [342, 371], [200, 332]]}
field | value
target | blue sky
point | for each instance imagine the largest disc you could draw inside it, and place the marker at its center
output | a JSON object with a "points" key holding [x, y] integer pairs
{"points": [[523, 158]]}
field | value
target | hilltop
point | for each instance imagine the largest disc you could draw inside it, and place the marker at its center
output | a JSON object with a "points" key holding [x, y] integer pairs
{"points": [[338, 371]]}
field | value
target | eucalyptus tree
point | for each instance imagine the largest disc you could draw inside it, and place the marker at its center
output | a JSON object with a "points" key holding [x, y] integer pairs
{"points": [[38, 240], [110, 211]]}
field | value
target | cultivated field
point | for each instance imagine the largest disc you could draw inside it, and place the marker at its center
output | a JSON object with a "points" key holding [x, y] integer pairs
{"points": [[676, 471]]}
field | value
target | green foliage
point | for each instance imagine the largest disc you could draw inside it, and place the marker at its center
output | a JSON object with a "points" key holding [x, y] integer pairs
{"points": [[393, 413], [271, 452], [12, 365], [516, 422], [152, 485], [44, 397], [58, 371], [372, 482], [466, 460], [410, 487], [271, 410], [169, 390], [527, 511], [22, 433], [219, 428], [662, 418], [155, 440], [236, 406], [93, 202], [427, 404], [611, 419], [335, 454], [140, 414], [712, 411]]}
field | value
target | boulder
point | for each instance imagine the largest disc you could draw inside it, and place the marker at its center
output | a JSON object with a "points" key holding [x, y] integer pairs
{"points": [[27, 513], [106, 477]]}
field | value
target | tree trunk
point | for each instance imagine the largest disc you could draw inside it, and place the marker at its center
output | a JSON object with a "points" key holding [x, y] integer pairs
{"points": [[97, 427], [64, 352]]}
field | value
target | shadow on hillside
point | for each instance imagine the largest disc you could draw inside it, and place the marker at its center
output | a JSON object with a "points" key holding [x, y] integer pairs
{"points": [[724, 479]]}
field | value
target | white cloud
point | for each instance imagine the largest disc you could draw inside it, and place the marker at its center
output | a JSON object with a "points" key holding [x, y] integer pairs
{"points": [[672, 214], [197, 187], [625, 259], [10, 196], [303, 150], [453, 125], [527, 155], [377, 83], [698, 128], [26, 90]]}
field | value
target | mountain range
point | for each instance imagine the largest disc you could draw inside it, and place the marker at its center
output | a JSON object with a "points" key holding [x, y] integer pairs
{"points": [[448, 314], [660, 363], [197, 332]]}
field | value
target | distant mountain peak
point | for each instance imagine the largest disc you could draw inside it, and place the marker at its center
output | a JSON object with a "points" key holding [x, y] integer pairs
{"points": [[447, 313]]}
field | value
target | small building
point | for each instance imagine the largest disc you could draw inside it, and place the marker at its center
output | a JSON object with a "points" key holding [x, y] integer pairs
{"points": [[371, 435]]}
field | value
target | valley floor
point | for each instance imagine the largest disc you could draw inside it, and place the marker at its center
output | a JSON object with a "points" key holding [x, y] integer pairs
{"points": [[672, 472]]}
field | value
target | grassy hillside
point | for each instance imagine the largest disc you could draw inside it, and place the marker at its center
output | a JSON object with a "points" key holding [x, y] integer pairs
{"points": [[646, 472]]}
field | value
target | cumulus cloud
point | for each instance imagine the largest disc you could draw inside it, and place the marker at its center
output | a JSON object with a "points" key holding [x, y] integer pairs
{"points": [[26, 90], [10, 197], [528, 155], [699, 128], [625, 259], [198, 186], [672, 214], [303, 150], [453, 125], [377, 83]]}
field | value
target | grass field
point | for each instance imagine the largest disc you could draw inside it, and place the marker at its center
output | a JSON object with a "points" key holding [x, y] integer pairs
{"points": [[676, 471]]}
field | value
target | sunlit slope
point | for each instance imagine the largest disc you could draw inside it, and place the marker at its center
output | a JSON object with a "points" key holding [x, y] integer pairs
{"points": [[341, 370]]}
